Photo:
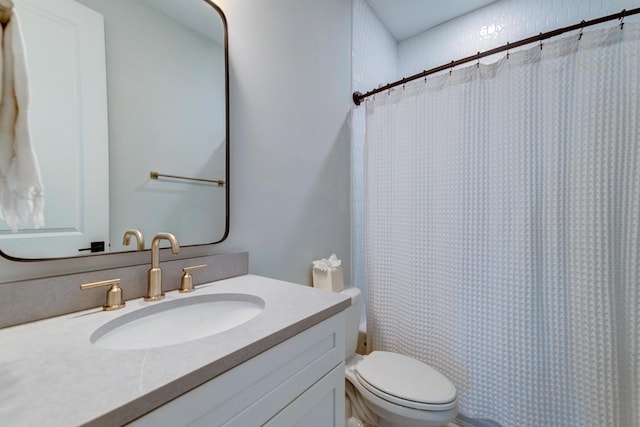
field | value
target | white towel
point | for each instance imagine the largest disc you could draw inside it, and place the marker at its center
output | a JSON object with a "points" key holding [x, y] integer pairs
{"points": [[21, 190]]}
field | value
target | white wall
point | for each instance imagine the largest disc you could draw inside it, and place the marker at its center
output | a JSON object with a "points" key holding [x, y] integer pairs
{"points": [[290, 67]]}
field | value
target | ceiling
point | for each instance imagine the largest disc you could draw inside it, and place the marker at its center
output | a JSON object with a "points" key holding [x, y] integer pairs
{"points": [[406, 18]]}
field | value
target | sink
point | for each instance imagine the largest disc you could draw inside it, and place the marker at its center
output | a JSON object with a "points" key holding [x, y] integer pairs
{"points": [[177, 321]]}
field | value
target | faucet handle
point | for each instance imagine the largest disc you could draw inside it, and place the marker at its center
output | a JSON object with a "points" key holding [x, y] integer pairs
{"points": [[114, 294], [186, 284]]}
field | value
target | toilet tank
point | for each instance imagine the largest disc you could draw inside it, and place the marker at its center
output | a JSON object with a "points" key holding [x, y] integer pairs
{"points": [[352, 322]]}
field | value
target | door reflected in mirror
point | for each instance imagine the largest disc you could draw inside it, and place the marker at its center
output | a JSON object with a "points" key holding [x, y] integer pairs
{"points": [[121, 88]]}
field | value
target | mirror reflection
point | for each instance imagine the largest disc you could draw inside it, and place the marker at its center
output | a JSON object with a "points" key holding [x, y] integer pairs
{"points": [[118, 89]]}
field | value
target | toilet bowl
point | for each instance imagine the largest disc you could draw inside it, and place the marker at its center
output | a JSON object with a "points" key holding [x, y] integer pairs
{"points": [[389, 389]]}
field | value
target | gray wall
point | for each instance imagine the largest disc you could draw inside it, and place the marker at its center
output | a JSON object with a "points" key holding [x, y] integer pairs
{"points": [[290, 150]]}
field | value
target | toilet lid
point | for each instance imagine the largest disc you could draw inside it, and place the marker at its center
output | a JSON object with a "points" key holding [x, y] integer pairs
{"points": [[405, 378]]}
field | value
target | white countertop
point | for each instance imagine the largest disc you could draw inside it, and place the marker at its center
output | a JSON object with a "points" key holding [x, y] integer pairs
{"points": [[51, 375]]}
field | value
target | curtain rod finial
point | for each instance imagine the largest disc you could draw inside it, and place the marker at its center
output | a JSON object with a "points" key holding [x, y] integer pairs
{"points": [[357, 98]]}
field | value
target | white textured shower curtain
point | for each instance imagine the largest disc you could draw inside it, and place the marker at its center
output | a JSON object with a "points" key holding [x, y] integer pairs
{"points": [[502, 230]]}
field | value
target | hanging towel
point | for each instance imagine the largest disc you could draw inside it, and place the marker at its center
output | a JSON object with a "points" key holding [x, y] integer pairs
{"points": [[21, 190]]}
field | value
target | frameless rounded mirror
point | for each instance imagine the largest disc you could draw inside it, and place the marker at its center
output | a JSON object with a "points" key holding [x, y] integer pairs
{"points": [[128, 117]]}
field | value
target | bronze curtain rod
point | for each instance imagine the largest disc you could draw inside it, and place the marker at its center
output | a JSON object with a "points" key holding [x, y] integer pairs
{"points": [[358, 97]]}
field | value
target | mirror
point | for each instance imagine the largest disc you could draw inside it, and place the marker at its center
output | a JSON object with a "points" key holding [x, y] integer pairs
{"points": [[120, 89]]}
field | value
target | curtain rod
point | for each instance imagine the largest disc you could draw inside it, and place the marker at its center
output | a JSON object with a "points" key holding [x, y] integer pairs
{"points": [[359, 97]]}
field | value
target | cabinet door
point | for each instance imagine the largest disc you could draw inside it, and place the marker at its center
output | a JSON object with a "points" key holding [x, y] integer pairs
{"points": [[256, 391], [322, 405]]}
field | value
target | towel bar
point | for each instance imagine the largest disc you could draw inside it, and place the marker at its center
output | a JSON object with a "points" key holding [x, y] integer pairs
{"points": [[156, 175]]}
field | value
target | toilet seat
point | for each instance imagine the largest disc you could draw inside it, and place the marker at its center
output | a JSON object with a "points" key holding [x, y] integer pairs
{"points": [[405, 381]]}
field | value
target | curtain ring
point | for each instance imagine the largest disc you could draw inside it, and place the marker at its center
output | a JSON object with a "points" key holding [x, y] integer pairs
{"points": [[581, 29], [507, 50], [478, 63], [540, 41], [622, 15], [451, 69]]}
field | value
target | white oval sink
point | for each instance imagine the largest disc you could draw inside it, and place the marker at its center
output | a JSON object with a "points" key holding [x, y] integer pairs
{"points": [[177, 321]]}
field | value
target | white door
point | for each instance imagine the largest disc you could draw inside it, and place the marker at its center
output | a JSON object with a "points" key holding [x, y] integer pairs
{"points": [[65, 52]]}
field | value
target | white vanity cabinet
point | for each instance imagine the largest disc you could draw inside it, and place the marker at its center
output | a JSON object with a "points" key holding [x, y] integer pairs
{"points": [[299, 382]]}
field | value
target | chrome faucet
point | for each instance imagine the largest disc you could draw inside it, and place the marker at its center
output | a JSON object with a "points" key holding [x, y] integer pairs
{"points": [[126, 239], [154, 286]]}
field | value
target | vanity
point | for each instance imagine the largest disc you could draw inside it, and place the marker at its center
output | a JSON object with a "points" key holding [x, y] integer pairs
{"points": [[282, 366]]}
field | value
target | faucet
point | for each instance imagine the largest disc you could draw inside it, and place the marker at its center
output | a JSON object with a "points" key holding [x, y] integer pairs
{"points": [[126, 239], [154, 286]]}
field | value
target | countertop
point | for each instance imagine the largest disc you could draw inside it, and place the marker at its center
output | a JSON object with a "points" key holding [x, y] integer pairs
{"points": [[51, 375]]}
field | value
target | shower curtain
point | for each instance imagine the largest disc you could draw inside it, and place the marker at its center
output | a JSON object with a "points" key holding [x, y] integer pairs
{"points": [[502, 230]]}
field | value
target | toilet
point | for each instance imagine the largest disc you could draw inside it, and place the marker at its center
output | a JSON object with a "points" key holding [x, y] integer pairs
{"points": [[391, 390]]}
